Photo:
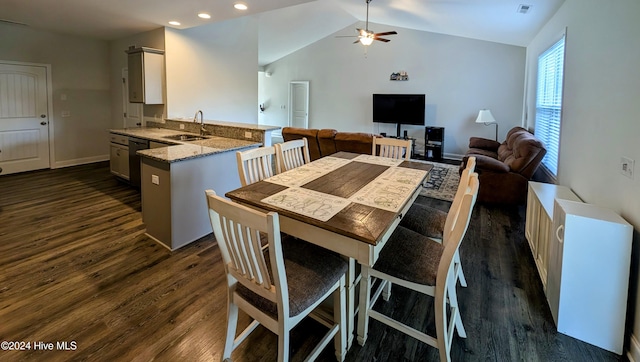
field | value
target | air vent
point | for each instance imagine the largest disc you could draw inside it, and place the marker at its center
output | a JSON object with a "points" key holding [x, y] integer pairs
{"points": [[523, 8]]}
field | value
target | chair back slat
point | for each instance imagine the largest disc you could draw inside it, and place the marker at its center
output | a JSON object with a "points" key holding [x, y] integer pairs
{"points": [[255, 164], [237, 229], [460, 220], [392, 148], [292, 154]]}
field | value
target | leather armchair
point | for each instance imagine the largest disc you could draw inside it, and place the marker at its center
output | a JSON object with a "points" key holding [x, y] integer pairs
{"points": [[504, 169]]}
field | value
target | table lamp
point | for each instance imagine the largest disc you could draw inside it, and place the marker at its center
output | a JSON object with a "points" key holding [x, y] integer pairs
{"points": [[485, 116]]}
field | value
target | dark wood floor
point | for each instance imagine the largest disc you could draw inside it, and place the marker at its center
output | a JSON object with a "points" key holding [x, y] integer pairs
{"points": [[76, 266]]}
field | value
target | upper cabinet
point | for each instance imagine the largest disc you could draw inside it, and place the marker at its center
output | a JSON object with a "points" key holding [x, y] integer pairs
{"points": [[146, 75]]}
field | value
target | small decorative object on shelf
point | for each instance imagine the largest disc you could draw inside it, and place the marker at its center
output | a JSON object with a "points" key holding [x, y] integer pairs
{"points": [[402, 75]]}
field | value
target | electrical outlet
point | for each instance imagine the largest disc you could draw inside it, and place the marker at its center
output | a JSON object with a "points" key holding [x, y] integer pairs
{"points": [[155, 179], [247, 134], [626, 166], [66, 114]]}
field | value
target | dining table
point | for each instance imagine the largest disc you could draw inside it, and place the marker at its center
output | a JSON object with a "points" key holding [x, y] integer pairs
{"points": [[346, 202]]}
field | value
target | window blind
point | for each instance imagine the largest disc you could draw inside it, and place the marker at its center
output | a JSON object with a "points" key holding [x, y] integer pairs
{"points": [[549, 102]]}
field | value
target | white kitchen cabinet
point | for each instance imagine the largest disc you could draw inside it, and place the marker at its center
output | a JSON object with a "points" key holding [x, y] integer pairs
{"points": [[119, 160], [146, 75], [539, 217], [588, 275]]}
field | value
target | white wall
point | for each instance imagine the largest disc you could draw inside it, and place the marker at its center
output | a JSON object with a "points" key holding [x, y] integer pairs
{"points": [[600, 110], [214, 68], [80, 70], [459, 76]]}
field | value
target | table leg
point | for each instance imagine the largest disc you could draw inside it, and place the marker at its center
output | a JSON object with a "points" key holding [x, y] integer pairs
{"points": [[351, 301]]}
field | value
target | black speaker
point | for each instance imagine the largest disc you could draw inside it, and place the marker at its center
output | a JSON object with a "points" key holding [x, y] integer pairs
{"points": [[434, 135], [433, 143], [405, 134]]}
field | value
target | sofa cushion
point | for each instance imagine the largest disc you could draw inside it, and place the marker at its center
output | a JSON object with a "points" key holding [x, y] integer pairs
{"points": [[294, 133], [483, 152], [526, 148], [326, 141], [483, 143], [354, 142]]}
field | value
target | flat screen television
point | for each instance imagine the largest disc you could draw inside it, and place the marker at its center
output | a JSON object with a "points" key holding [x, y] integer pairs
{"points": [[399, 109]]}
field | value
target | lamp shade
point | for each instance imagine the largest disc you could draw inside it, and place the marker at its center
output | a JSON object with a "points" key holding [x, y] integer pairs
{"points": [[485, 116]]}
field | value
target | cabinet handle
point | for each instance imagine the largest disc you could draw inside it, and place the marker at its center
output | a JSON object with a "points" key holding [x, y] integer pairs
{"points": [[561, 227]]}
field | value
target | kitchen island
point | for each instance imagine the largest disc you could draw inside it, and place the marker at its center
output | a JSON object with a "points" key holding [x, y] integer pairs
{"points": [[174, 178]]}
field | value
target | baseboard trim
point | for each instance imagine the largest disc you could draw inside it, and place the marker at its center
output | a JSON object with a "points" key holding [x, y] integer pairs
{"points": [[80, 161], [633, 354], [453, 156]]}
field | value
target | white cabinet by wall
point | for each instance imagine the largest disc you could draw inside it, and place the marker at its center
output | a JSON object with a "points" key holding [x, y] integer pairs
{"points": [[119, 156], [588, 275], [146, 75], [539, 216]]}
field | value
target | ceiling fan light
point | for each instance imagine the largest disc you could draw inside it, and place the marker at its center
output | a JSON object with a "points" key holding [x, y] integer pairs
{"points": [[365, 40]]}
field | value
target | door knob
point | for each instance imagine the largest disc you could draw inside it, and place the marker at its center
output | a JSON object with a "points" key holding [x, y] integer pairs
{"points": [[43, 116], [43, 123]]}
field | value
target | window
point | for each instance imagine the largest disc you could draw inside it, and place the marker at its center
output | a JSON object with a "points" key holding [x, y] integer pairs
{"points": [[549, 102]]}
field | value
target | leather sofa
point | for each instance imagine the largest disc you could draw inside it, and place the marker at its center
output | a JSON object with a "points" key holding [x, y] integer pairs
{"points": [[323, 142], [504, 169]]}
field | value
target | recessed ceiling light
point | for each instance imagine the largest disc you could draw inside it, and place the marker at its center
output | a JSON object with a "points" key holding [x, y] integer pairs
{"points": [[204, 16], [240, 6], [173, 22]]}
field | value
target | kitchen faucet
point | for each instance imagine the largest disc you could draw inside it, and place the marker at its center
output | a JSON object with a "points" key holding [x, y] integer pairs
{"points": [[195, 119]]}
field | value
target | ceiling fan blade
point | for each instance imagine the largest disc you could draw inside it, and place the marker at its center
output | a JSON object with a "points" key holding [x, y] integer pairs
{"points": [[386, 33], [356, 42], [382, 39]]}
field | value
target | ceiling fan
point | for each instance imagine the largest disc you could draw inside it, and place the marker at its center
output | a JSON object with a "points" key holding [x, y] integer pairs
{"points": [[366, 36]]}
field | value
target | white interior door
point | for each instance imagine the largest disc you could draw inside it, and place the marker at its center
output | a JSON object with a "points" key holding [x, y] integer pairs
{"points": [[299, 104], [132, 111], [24, 119]]}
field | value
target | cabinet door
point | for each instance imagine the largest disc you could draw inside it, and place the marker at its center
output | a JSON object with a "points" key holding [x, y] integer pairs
{"points": [[542, 247], [531, 222], [556, 249], [146, 76], [136, 80], [119, 161]]}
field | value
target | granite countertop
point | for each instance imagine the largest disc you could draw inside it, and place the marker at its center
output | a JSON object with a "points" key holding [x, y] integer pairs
{"points": [[181, 150]]}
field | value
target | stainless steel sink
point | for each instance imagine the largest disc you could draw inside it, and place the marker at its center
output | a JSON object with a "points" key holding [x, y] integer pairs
{"points": [[185, 137]]}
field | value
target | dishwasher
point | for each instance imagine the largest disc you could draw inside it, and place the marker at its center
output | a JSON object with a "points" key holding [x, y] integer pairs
{"points": [[135, 145]]}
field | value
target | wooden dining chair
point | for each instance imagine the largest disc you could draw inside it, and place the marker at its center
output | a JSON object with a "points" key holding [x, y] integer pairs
{"points": [[292, 154], [431, 222], [392, 148], [414, 261], [255, 164], [277, 286]]}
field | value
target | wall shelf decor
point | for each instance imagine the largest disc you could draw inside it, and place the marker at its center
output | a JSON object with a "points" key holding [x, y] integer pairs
{"points": [[401, 75]]}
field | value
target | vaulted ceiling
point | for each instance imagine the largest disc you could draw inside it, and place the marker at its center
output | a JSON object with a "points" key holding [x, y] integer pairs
{"points": [[286, 25]]}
